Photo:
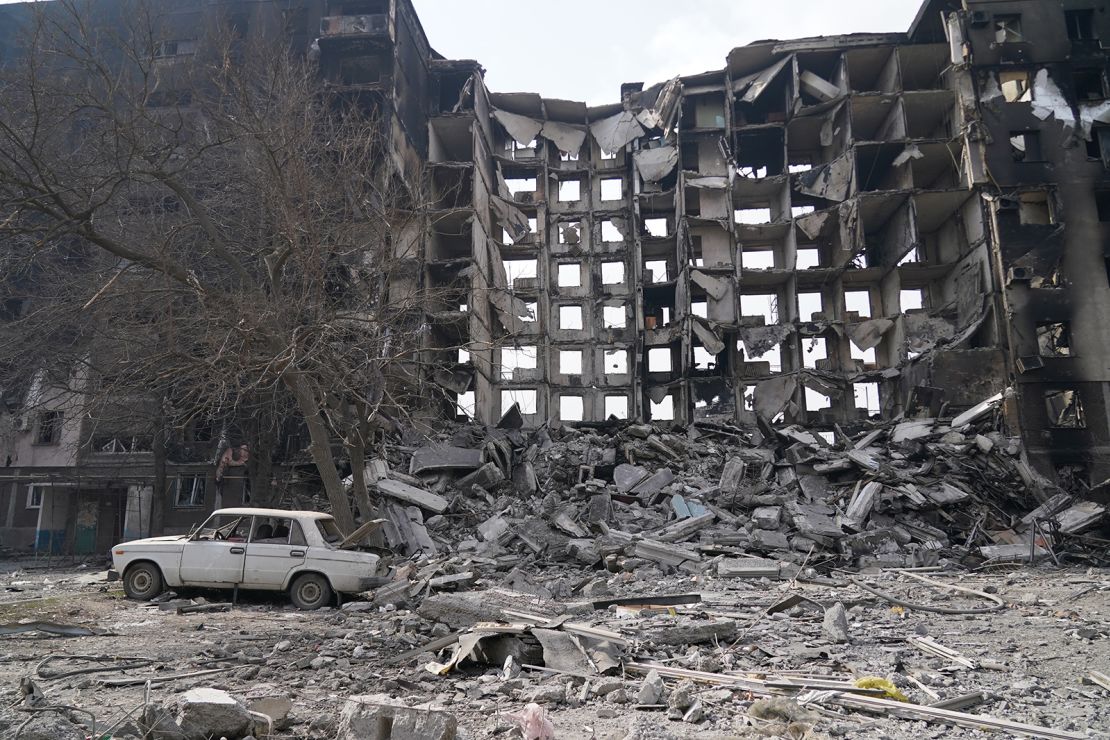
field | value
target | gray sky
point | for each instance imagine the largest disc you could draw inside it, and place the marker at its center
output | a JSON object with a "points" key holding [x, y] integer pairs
{"points": [[585, 49]]}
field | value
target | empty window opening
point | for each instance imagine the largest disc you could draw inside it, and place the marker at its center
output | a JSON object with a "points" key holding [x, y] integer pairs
{"points": [[911, 298], [519, 269], [570, 361], [608, 156], [1025, 146], [570, 276], [1007, 28], [610, 232], [616, 361], [1053, 339], [867, 397], [1015, 86], [464, 355], [517, 151], [799, 167], [796, 211], [568, 156], [521, 185], [867, 355], [1064, 409], [656, 226], [464, 404], [531, 312], [524, 396], [752, 172], [703, 359], [813, 349], [1088, 84], [809, 304], [662, 411], [571, 408], [816, 401], [666, 315], [700, 308], [616, 406], [753, 215], [758, 259], [858, 301], [507, 238], [612, 273], [1081, 24], [773, 357], [655, 271], [612, 188], [570, 233], [512, 358], [1034, 208], [749, 398], [760, 304], [569, 191], [659, 360], [570, 317], [914, 255], [809, 258], [613, 317]]}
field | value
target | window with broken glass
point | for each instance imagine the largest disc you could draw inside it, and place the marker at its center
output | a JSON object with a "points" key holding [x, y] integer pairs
{"points": [[1007, 29]]}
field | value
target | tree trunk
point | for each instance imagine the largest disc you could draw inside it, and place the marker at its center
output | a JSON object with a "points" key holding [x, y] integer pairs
{"points": [[320, 449], [160, 489], [357, 454]]}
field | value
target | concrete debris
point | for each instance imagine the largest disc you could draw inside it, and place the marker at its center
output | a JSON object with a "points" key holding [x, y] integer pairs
{"points": [[379, 717]]}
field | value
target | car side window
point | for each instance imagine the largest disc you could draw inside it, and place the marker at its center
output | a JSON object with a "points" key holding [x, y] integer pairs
{"points": [[296, 534], [274, 531]]}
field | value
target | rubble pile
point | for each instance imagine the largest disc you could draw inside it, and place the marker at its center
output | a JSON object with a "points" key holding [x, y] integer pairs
{"points": [[904, 493]]}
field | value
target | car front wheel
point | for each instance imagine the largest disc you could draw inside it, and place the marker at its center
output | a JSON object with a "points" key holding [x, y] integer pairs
{"points": [[310, 591], [142, 582]]}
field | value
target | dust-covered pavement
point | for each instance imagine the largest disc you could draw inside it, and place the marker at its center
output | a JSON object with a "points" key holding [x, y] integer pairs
{"points": [[1032, 659]]}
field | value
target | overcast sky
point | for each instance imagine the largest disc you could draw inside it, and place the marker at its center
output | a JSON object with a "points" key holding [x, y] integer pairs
{"points": [[585, 49]]}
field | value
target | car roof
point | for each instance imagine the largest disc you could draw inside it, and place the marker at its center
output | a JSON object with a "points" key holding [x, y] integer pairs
{"points": [[283, 513]]}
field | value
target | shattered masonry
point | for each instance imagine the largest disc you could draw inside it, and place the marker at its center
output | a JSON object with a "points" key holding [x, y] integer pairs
{"points": [[828, 229]]}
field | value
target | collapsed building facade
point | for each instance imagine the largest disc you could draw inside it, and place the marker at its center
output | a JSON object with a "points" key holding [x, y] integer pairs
{"points": [[825, 230]]}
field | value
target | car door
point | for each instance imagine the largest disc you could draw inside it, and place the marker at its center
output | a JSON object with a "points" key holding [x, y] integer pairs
{"points": [[277, 546], [216, 554]]}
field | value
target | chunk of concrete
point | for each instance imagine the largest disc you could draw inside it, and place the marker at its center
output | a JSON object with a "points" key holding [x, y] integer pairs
{"points": [[627, 476], [444, 457], [835, 623], [487, 476], [412, 495], [205, 713], [378, 717], [767, 517]]}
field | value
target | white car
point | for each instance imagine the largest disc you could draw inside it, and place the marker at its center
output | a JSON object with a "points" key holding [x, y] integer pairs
{"points": [[266, 549]]}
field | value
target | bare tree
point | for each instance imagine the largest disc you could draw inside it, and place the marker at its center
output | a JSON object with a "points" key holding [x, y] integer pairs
{"points": [[222, 232]]}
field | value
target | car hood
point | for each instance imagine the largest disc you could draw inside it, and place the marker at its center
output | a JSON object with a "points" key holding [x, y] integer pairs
{"points": [[154, 540]]}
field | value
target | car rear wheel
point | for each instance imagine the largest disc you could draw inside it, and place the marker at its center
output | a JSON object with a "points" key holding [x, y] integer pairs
{"points": [[142, 582], [310, 591]]}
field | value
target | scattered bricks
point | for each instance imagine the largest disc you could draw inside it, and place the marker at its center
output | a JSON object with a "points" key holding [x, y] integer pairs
{"points": [[378, 717]]}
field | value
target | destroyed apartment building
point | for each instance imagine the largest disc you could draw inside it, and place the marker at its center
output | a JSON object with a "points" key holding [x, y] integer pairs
{"points": [[825, 232]]}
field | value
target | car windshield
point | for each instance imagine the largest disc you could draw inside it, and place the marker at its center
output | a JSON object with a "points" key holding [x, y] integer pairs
{"points": [[329, 531]]}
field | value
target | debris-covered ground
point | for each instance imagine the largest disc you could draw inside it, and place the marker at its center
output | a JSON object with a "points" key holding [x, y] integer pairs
{"points": [[626, 581], [1030, 662]]}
